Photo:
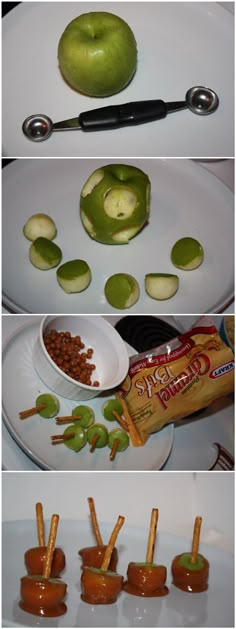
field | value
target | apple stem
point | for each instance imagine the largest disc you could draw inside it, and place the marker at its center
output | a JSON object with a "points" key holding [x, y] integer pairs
{"points": [[120, 421], [196, 539], [31, 411], [93, 442], [111, 543], [40, 523], [50, 547], [152, 536], [67, 419], [114, 449], [61, 438], [95, 526]]}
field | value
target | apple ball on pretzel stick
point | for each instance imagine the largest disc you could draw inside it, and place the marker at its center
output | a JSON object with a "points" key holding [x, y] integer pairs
{"points": [[46, 405], [190, 570], [147, 579], [94, 555], [35, 557], [101, 586], [43, 595]]}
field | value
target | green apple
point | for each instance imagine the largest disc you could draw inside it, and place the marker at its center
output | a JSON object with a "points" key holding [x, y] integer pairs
{"points": [[40, 225], [161, 285], [44, 254], [187, 253], [121, 290], [97, 54], [115, 203]]}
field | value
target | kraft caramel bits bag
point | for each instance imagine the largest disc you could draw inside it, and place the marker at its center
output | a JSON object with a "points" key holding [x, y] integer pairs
{"points": [[174, 380]]}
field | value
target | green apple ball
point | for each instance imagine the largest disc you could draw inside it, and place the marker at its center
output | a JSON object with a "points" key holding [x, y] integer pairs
{"points": [[87, 416], [78, 441], [97, 435], [187, 254], [52, 405], [121, 436], [40, 225], [97, 54], [161, 285], [109, 406], [115, 203], [121, 290], [74, 276], [186, 562], [44, 254]]}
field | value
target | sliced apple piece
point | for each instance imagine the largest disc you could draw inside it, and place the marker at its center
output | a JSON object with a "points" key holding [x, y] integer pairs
{"points": [[122, 290]]}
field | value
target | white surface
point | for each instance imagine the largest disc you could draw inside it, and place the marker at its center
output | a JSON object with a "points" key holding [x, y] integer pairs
{"points": [[186, 200], [34, 435], [213, 608], [168, 36], [192, 446], [179, 498]]}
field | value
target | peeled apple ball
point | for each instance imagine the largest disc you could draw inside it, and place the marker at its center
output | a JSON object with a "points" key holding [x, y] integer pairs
{"points": [[97, 54], [39, 225], [115, 203]]}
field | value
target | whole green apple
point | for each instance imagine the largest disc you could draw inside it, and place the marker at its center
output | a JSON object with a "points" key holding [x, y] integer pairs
{"points": [[114, 203], [97, 54]]}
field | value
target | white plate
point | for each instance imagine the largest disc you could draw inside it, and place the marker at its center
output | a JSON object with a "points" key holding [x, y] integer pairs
{"points": [[186, 200], [20, 387], [213, 608], [180, 44]]}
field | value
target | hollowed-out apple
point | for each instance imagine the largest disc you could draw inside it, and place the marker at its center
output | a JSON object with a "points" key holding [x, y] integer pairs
{"points": [[115, 203]]}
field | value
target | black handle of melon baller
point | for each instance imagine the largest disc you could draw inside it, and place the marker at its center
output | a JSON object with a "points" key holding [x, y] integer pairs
{"points": [[114, 116]]}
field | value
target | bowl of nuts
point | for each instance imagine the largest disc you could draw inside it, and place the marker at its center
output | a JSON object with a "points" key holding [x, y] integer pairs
{"points": [[79, 356]]}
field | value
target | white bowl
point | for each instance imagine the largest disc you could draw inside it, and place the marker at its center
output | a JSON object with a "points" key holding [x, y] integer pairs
{"points": [[110, 355]]}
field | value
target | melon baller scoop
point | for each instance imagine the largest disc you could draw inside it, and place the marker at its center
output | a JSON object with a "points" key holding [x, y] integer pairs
{"points": [[200, 100]]}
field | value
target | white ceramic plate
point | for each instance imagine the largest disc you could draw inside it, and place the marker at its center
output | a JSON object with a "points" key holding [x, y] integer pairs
{"points": [[180, 44], [20, 387], [186, 200], [213, 608]]}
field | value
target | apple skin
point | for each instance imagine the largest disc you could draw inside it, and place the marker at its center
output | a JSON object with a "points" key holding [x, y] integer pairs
{"points": [[97, 54], [99, 206]]}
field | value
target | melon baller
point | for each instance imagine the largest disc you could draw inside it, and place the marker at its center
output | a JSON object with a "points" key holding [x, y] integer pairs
{"points": [[200, 100]]}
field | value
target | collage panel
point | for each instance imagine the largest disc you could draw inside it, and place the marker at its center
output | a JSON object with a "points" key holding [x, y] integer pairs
{"points": [[136, 394], [118, 314], [142, 68], [149, 236], [160, 522]]}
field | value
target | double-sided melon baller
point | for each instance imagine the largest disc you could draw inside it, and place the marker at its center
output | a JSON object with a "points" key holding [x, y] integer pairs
{"points": [[200, 100]]}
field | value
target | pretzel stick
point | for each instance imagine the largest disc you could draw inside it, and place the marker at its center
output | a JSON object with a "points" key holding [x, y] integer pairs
{"points": [[40, 523], [31, 411], [111, 543], [196, 539], [61, 438], [93, 442], [67, 418], [50, 547], [95, 522], [133, 431], [152, 536], [114, 449], [121, 421]]}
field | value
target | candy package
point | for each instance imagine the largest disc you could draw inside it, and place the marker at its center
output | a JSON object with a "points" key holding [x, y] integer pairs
{"points": [[178, 378]]}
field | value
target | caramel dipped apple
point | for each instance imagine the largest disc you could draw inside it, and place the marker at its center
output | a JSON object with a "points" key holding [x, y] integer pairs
{"points": [[35, 557], [147, 579], [44, 595], [190, 571], [94, 555], [101, 586]]}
